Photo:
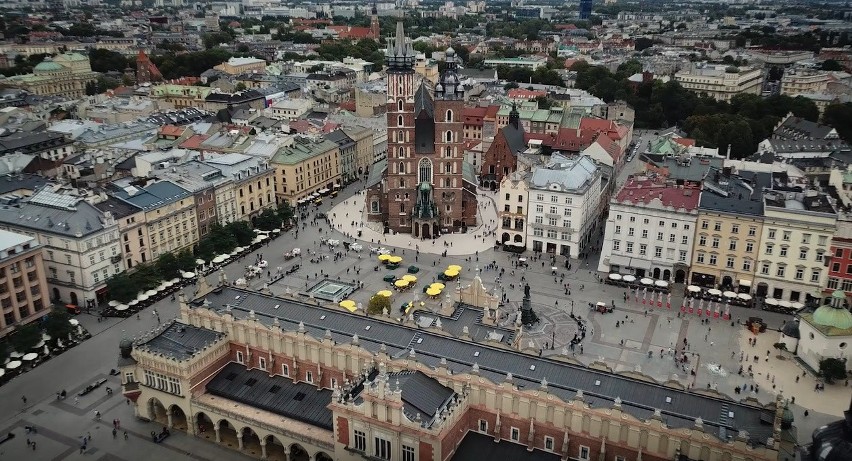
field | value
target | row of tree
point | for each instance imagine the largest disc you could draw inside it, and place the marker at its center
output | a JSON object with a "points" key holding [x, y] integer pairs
{"points": [[124, 287], [741, 123]]}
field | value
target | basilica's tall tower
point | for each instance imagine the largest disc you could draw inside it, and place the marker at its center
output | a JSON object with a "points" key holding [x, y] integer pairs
{"points": [[426, 189], [375, 30]]}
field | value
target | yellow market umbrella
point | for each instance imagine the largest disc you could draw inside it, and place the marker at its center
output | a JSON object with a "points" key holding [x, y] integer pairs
{"points": [[451, 273], [349, 305], [454, 267], [440, 286], [408, 307], [432, 291], [395, 259], [384, 258], [385, 293], [401, 283], [410, 278]]}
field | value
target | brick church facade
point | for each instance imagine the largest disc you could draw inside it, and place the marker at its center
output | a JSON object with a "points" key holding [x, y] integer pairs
{"points": [[424, 188]]}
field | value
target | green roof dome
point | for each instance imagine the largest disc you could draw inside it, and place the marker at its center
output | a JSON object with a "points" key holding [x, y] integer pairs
{"points": [[835, 317], [47, 66]]}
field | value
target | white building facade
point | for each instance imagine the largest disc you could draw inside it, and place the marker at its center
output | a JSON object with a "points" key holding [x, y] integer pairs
{"points": [[512, 202], [797, 233], [563, 205], [649, 231]]}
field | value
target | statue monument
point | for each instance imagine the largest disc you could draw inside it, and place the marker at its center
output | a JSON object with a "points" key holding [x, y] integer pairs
{"points": [[528, 315]]}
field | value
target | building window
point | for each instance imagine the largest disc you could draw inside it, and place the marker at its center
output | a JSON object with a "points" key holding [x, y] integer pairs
{"points": [[752, 231], [780, 272], [715, 243], [717, 226], [644, 233], [616, 245], [684, 240], [261, 363], [771, 234], [584, 453], [783, 252], [630, 247], [383, 448], [800, 273], [285, 370], [515, 434], [712, 260], [483, 426], [747, 265], [803, 253], [815, 275], [735, 228], [732, 245], [702, 240], [786, 236], [704, 224], [617, 230], [309, 377], [832, 283], [630, 232], [749, 247], [425, 169], [642, 249], [806, 238], [700, 258], [360, 440], [660, 236], [730, 262], [239, 357], [408, 452], [658, 252], [548, 443], [769, 248]]}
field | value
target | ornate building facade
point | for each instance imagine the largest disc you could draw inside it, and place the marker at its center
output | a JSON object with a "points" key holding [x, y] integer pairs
{"points": [[343, 386], [425, 187]]}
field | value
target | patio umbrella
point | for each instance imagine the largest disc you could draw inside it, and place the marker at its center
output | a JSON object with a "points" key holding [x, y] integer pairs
{"points": [[451, 273], [132, 302], [385, 293], [401, 283], [16, 354], [74, 322], [188, 275], [714, 292], [200, 262], [122, 307], [395, 259], [615, 277], [433, 291], [744, 296], [349, 305], [628, 278], [384, 258], [771, 302], [438, 285], [262, 237], [409, 278], [693, 289], [2, 372], [13, 364], [646, 281], [220, 259], [661, 283], [113, 303], [161, 287], [151, 293], [30, 357], [141, 297], [175, 281], [239, 249], [454, 267], [729, 294]]}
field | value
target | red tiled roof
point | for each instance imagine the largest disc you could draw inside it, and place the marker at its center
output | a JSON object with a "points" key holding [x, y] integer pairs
{"points": [[350, 32], [684, 141], [646, 191], [567, 139], [329, 127], [491, 112], [194, 141], [302, 126], [348, 105], [611, 128], [521, 93], [611, 147], [172, 130]]}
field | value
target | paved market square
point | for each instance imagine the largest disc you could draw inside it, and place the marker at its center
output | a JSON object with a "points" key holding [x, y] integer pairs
{"points": [[634, 345]]}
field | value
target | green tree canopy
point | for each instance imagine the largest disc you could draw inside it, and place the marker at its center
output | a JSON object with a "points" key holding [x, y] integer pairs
{"points": [[23, 339], [378, 304], [839, 116]]}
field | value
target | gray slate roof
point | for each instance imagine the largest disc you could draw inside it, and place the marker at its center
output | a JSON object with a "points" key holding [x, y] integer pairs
{"points": [[570, 174], [49, 212], [180, 341], [276, 394], [639, 398], [155, 195], [731, 195], [421, 394], [476, 446]]}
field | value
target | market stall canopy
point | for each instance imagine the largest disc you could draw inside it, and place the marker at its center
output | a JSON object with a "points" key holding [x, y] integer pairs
{"points": [[614, 276]]}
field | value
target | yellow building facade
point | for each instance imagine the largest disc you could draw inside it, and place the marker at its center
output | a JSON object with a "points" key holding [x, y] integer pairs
{"points": [[725, 250], [306, 167]]}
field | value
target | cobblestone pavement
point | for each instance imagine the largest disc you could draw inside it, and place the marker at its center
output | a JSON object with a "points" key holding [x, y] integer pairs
{"points": [[62, 423]]}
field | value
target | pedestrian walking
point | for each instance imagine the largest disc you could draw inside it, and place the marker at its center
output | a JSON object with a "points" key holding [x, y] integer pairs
{"points": [[125, 435]]}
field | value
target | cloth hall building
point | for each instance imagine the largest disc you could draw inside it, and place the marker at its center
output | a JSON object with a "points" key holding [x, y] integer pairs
{"points": [[324, 384]]}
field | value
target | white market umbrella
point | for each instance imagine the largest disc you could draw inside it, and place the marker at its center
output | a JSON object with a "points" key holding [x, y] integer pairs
{"points": [[15, 355], [628, 278], [151, 293], [661, 283], [771, 302], [2, 372], [133, 302], [122, 307], [744, 296], [693, 289], [74, 322], [200, 262], [615, 276], [113, 303], [142, 297], [729, 294], [30, 357], [714, 292], [188, 275], [13, 364], [175, 281], [262, 237], [220, 259]]}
